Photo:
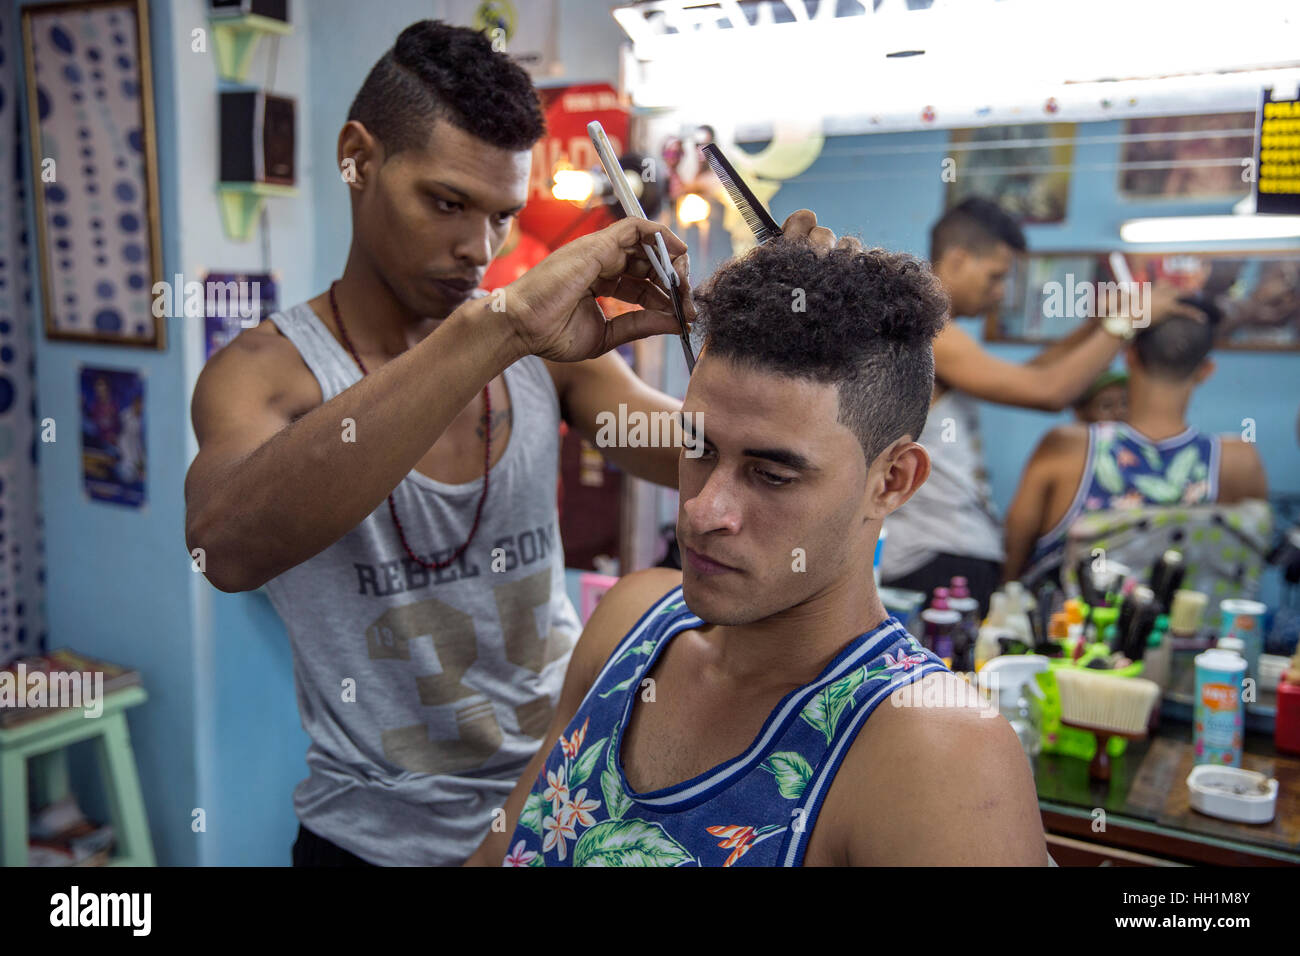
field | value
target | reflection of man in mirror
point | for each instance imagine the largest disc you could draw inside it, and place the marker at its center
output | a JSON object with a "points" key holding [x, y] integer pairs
{"points": [[1106, 399]]}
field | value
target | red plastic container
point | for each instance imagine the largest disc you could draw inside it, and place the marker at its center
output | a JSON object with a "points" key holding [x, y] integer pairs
{"points": [[1286, 729]]}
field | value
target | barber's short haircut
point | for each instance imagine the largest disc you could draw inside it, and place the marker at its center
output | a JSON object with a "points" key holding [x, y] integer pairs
{"points": [[1175, 348], [870, 317], [977, 225], [438, 71]]}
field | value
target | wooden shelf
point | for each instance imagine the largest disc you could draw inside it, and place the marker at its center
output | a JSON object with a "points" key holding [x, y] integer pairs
{"points": [[241, 204]]}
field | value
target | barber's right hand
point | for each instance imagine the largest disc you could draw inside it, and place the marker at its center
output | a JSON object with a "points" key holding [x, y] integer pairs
{"points": [[552, 307], [1165, 304]]}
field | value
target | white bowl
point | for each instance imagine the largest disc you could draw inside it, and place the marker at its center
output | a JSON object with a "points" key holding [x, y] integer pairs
{"points": [[1232, 793]]}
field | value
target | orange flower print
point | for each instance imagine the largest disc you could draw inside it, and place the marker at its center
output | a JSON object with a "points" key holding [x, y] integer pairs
{"points": [[557, 831], [1125, 458], [572, 746], [557, 791], [578, 810], [737, 839]]}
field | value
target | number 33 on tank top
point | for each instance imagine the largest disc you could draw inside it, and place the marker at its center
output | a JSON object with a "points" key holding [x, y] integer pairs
{"points": [[455, 640]]}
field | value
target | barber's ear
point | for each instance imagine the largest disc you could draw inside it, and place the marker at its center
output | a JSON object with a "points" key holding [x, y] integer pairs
{"points": [[359, 154], [896, 474]]}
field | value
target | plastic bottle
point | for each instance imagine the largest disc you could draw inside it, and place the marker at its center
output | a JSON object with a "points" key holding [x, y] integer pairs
{"points": [[1011, 676], [1219, 712], [997, 616], [986, 645], [1018, 613], [940, 622], [963, 651], [1019, 601]]}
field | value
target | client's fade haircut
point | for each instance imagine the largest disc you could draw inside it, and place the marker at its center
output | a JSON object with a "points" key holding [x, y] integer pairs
{"points": [[1173, 350], [977, 225], [870, 317], [438, 71]]}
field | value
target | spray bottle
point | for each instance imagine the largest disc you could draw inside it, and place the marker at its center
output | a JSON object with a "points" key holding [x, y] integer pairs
{"points": [[1011, 677]]}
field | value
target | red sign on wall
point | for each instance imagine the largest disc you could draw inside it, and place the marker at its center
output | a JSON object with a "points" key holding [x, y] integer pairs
{"points": [[568, 110]]}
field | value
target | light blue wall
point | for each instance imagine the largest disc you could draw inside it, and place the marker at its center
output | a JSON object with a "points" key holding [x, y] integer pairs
{"points": [[220, 731], [119, 583]]}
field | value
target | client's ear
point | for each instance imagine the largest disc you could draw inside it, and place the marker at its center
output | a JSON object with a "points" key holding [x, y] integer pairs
{"points": [[895, 475], [1203, 371]]}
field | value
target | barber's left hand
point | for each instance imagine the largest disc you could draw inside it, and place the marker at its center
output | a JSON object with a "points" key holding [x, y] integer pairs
{"points": [[802, 224]]}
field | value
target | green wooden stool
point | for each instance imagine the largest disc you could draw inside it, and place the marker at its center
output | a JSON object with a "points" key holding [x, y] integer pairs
{"points": [[43, 741]]}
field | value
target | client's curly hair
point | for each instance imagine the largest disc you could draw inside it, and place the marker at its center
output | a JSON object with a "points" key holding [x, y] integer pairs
{"points": [[868, 321]]}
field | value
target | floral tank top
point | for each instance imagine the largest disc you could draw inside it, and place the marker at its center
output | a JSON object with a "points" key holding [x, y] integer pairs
{"points": [[757, 809], [1125, 469]]}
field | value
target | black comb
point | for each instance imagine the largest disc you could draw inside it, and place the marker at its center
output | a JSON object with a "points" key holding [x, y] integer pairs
{"points": [[760, 222]]}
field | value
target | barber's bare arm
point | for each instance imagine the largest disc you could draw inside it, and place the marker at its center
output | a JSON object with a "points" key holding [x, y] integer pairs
{"points": [[1065, 344], [265, 494], [1052, 383], [960, 362]]}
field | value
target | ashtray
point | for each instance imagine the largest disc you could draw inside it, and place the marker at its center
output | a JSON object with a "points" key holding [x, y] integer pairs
{"points": [[1232, 793]]}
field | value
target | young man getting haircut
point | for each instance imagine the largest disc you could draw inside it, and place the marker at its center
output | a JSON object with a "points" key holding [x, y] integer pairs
{"points": [[1153, 457], [950, 526], [760, 707]]}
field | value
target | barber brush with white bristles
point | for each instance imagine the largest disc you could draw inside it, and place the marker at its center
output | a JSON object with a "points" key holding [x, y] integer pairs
{"points": [[1108, 706]]}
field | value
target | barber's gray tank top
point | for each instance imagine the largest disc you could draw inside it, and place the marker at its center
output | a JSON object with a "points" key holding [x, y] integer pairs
{"points": [[425, 693]]}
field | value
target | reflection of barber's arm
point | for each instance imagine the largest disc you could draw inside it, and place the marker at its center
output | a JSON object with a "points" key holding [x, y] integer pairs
{"points": [[960, 362], [1064, 344]]}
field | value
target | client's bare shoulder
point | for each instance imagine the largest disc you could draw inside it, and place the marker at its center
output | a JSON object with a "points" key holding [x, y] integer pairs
{"points": [[1241, 471], [934, 778], [617, 613]]}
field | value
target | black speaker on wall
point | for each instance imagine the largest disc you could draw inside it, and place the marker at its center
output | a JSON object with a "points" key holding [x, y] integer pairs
{"points": [[274, 9], [257, 137]]}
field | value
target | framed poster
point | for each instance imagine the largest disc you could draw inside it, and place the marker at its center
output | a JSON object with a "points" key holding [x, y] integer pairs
{"points": [[1187, 157], [112, 435], [1025, 169], [1258, 293], [94, 170]]}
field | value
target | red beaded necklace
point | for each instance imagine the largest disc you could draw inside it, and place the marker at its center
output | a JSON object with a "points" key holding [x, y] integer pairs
{"points": [[487, 456]]}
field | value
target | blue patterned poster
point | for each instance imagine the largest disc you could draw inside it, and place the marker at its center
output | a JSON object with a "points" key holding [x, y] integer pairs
{"points": [[112, 435], [91, 110]]}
